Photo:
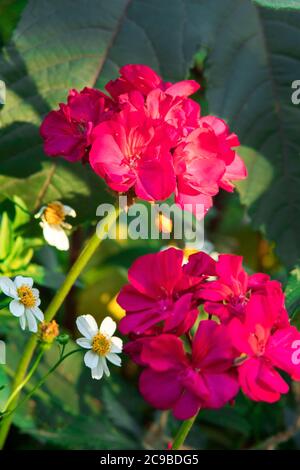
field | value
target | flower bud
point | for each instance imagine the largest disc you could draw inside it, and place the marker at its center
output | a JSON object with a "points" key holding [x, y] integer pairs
{"points": [[63, 339], [48, 331]]}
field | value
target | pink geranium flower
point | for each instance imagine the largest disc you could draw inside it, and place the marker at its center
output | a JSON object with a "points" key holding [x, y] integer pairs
{"points": [[185, 382], [154, 296], [148, 139], [66, 132], [265, 348], [228, 296], [137, 77], [130, 152], [206, 161], [181, 113]]}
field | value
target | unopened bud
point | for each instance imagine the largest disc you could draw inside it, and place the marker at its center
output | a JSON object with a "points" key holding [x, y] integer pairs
{"points": [[63, 339]]}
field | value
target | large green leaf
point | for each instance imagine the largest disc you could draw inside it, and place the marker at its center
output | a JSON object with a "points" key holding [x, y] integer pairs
{"points": [[260, 173], [253, 59], [71, 44], [287, 4], [10, 11]]}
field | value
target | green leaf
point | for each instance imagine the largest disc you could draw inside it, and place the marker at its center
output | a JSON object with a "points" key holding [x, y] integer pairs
{"points": [[22, 216], [118, 413], [4, 301], [260, 173], [278, 4], [292, 292], [98, 38], [10, 11], [67, 411], [5, 236], [253, 60]]}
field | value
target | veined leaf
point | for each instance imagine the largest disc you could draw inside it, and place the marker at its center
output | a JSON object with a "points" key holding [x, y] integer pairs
{"points": [[279, 4], [97, 37], [250, 70], [260, 173]]}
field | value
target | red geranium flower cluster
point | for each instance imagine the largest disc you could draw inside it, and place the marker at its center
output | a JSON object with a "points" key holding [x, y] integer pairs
{"points": [[191, 362], [147, 137]]}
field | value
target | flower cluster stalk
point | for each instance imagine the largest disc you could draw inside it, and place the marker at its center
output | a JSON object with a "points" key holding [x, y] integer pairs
{"points": [[183, 432]]}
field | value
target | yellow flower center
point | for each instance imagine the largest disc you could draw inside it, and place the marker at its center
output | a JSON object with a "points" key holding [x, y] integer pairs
{"points": [[54, 213], [101, 344], [26, 296]]}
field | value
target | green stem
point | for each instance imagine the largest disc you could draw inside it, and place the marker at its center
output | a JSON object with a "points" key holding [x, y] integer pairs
{"points": [[183, 432], [42, 381], [52, 309], [24, 382]]}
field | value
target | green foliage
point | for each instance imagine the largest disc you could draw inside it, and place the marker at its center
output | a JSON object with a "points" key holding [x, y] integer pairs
{"points": [[292, 292], [10, 11], [246, 57], [71, 410], [16, 252], [260, 174], [279, 4], [18, 244]]}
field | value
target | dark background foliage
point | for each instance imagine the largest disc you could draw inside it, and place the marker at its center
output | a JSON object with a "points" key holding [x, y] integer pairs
{"points": [[246, 55]]}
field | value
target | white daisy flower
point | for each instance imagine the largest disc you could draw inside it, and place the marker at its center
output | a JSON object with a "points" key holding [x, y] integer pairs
{"points": [[53, 224], [26, 301], [101, 343]]}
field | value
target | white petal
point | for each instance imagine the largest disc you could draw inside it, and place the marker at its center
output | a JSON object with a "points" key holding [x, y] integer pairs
{"points": [[91, 359], [84, 343], [69, 211], [16, 308], [38, 301], [40, 212], [97, 372], [8, 287], [23, 281], [117, 345], [114, 359], [56, 236], [104, 365], [32, 323], [36, 293], [37, 312], [108, 326], [22, 321], [87, 326]]}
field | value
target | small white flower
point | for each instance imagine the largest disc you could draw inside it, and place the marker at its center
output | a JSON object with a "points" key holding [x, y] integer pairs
{"points": [[53, 224], [26, 301], [101, 343]]}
